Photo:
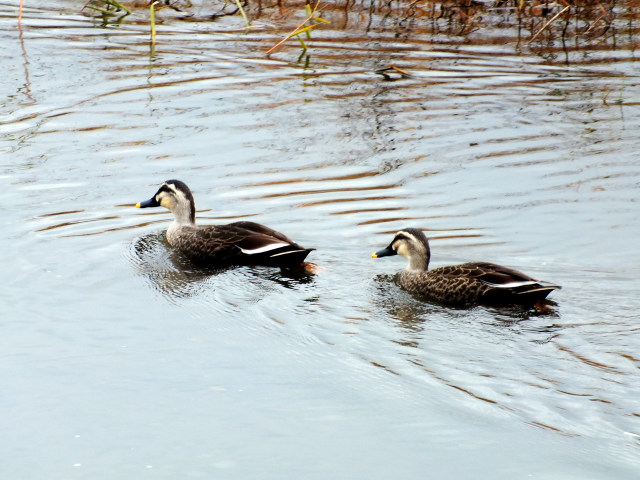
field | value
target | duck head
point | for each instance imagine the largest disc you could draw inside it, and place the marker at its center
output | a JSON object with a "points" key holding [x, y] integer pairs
{"points": [[176, 196], [412, 244]]}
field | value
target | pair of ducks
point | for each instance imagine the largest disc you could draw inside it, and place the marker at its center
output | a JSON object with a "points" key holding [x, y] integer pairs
{"points": [[249, 243]]}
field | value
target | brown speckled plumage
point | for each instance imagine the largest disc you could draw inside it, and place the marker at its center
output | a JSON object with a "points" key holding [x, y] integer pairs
{"points": [[238, 243], [461, 285]]}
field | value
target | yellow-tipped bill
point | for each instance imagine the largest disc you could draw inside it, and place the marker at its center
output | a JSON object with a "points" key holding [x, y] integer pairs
{"points": [[148, 203], [385, 252]]}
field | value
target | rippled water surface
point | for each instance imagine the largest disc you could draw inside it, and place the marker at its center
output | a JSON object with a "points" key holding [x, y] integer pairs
{"points": [[120, 360]]}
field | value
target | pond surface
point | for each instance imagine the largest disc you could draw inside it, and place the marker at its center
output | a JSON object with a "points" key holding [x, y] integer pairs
{"points": [[121, 361]]}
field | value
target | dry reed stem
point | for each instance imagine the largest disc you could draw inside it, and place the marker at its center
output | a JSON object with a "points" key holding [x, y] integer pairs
{"points": [[244, 15], [549, 23], [152, 15], [604, 11], [594, 24], [298, 29]]}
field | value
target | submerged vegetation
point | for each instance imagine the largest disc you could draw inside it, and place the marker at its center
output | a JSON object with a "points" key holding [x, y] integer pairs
{"points": [[109, 9], [533, 22]]}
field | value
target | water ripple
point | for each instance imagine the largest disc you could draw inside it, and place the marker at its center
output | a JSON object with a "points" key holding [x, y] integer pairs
{"points": [[502, 151]]}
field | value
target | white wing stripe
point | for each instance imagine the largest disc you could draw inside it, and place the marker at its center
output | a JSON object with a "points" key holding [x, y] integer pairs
{"points": [[287, 252], [512, 284], [266, 248]]}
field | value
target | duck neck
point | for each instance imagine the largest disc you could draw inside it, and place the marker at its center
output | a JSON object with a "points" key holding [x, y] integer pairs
{"points": [[418, 263], [184, 215], [419, 256]]}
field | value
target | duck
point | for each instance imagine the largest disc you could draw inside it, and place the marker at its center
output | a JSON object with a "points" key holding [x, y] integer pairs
{"points": [[237, 243], [464, 285]]}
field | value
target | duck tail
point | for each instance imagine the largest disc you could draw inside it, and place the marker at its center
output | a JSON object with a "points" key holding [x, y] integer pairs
{"points": [[289, 256], [537, 292]]}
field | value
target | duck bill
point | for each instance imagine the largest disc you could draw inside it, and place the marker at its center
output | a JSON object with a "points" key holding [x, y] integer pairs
{"points": [[386, 252], [148, 203]]}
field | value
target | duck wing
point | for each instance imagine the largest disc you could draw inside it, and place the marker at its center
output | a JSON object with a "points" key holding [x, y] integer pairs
{"points": [[234, 244], [267, 246], [507, 283], [498, 284], [495, 275], [261, 229]]}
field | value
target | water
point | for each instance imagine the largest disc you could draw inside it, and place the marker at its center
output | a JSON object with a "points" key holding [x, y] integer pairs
{"points": [[118, 359]]}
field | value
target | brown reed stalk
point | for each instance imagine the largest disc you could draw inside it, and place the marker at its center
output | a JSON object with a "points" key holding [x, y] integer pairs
{"points": [[549, 23], [301, 28]]}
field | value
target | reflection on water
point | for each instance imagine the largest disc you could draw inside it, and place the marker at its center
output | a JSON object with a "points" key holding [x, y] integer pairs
{"points": [[173, 275], [411, 312], [507, 150], [165, 268]]}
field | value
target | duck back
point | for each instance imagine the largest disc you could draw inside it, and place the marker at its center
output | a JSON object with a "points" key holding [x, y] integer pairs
{"points": [[240, 243], [475, 283]]}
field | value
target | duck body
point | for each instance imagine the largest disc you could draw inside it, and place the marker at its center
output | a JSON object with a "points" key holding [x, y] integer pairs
{"points": [[461, 285], [238, 243], [475, 283]]}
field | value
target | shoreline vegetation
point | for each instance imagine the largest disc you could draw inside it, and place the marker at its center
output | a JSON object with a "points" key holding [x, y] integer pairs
{"points": [[571, 24]]}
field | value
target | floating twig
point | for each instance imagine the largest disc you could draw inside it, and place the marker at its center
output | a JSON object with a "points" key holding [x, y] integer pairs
{"points": [[387, 71]]}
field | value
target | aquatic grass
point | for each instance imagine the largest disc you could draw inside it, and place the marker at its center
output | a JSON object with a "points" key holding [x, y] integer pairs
{"points": [[152, 21], [553, 19], [302, 29], [618, 101], [111, 8], [542, 26], [241, 10]]}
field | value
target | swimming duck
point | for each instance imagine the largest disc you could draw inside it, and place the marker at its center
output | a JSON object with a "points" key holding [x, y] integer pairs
{"points": [[462, 285], [238, 243]]}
